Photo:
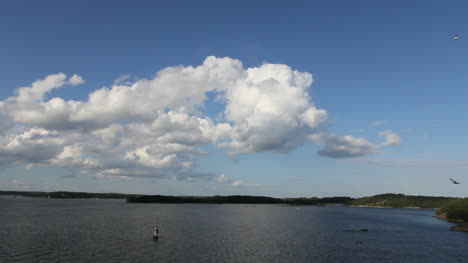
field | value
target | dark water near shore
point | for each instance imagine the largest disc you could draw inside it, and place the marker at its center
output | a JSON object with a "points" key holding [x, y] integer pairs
{"points": [[53, 230]]}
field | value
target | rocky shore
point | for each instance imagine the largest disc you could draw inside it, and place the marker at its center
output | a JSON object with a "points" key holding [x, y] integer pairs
{"points": [[460, 226], [377, 206]]}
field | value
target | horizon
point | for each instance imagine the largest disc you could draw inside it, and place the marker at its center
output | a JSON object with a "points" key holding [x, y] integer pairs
{"points": [[226, 99], [277, 197]]}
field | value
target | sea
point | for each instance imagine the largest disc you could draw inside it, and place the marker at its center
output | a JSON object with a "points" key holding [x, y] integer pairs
{"points": [[99, 230]]}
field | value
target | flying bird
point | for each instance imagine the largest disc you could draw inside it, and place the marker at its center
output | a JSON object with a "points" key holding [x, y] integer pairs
{"points": [[455, 38], [453, 181]]}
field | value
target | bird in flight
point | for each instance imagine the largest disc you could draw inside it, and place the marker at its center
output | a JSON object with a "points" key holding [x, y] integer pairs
{"points": [[455, 38], [453, 181]]}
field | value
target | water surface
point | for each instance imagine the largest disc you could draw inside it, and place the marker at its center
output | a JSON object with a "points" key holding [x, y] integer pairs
{"points": [[85, 230]]}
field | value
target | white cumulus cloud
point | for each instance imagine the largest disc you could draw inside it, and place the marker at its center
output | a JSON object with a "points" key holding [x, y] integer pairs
{"points": [[156, 127]]}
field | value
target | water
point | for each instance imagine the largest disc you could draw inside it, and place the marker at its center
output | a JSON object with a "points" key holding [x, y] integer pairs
{"points": [[54, 230]]}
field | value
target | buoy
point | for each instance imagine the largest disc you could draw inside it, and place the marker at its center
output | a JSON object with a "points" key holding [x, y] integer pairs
{"points": [[156, 233]]}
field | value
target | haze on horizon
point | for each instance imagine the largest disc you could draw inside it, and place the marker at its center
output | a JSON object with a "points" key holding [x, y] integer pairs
{"points": [[266, 98]]}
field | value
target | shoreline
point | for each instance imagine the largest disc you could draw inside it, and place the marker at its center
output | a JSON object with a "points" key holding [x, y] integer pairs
{"points": [[376, 206], [460, 225]]}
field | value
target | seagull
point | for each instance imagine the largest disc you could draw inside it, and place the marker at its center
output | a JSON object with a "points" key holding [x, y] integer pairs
{"points": [[453, 181], [455, 38]]}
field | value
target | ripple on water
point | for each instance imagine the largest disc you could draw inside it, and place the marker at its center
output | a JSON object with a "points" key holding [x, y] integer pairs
{"points": [[44, 230]]}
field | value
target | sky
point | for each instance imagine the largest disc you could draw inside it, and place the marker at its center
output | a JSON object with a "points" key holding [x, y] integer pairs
{"points": [[276, 98]]}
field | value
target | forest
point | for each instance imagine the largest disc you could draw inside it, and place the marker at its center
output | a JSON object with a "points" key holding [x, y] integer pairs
{"points": [[401, 200]]}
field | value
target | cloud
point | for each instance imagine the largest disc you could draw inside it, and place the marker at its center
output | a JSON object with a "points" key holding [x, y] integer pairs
{"points": [[223, 179], [234, 183], [76, 80], [415, 163], [379, 122], [348, 146], [19, 184], [390, 137], [122, 80], [264, 117], [295, 179], [240, 183], [156, 127]]}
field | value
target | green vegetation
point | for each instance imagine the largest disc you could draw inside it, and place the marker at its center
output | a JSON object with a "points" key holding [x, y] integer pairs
{"points": [[455, 210], [401, 200]]}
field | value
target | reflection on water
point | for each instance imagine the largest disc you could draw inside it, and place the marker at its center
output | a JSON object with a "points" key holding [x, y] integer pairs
{"points": [[53, 230]]}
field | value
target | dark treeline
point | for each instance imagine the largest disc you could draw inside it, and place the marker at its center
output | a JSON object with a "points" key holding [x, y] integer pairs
{"points": [[20, 193], [455, 210], [218, 199], [64, 194], [401, 200], [317, 200], [233, 199], [237, 199]]}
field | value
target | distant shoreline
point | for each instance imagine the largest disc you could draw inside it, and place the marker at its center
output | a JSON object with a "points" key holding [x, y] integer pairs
{"points": [[397, 200], [217, 199]]}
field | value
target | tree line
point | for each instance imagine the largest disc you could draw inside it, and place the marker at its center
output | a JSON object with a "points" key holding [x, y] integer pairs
{"points": [[401, 200]]}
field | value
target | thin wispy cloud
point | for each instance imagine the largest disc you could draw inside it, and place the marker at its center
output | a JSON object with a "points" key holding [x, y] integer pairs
{"points": [[295, 179], [379, 122], [414, 163], [223, 179]]}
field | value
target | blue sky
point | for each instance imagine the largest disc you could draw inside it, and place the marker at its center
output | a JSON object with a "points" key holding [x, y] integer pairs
{"points": [[376, 66]]}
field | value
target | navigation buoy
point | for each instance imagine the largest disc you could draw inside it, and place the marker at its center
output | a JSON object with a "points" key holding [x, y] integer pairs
{"points": [[156, 233]]}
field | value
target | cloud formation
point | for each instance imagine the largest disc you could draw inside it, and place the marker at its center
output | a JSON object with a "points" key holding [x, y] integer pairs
{"points": [[234, 183], [155, 127], [348, 146]]}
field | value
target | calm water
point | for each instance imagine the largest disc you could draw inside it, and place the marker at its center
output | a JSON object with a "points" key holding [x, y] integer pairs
{"points": [[45, 230]]}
